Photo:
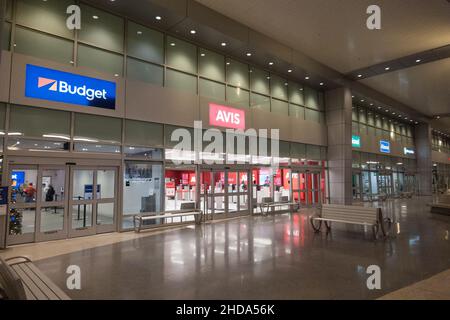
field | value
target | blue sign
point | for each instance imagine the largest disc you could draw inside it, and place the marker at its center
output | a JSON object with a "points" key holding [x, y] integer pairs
{"points": [[385, 146], [53, 85], [88, 195], [18, 179], [408, 151]]}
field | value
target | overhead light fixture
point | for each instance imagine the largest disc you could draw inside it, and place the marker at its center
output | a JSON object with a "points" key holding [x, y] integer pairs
{"points": [[223, 44], [387, 68], [139, 33], [379, 108], [172, 44], [359, 75], [228, 63], [371, 104], [418, 60], [362, 100], [290, 70], [249, 54], [202, 54], [193, 32], [95, 17], [271, 63], [306, 78], [158, 18], [321, 83]]}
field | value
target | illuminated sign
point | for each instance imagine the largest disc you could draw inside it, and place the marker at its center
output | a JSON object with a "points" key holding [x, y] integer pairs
{"points": [[53, 85], [385, 146], [408, 151], [226, 117], [356, 141]]}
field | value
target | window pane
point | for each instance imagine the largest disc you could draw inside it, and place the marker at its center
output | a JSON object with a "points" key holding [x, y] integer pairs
{"points": [[297, 111], [43, 46], [143, 152], [8, 11], [145, 43], [49, 16], [96, 148], [21, 221], [6, 37], [260, 102], [181, 55], [296, 93], [106, 183], [238, 97], [18, 144], [313, 152], [312, 115], [141, 190], [181, 81], [212, 89], [237, 73], [90, 128], [101, 29], [362, 116], [53, 185], [105, 213], [139, 133], [211, 65], [52, 219], [279, 88], [280, 107], [260, 81], [39, 123], [311, 98], [100, 60], [23, 186], [145, 72]]}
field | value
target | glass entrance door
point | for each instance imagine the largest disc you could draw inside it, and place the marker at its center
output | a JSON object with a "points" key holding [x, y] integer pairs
{"points": [[92, 209], [356, 185]]}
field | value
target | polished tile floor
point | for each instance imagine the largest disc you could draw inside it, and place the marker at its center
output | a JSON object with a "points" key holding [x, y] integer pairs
{"points": [[277, 257]]}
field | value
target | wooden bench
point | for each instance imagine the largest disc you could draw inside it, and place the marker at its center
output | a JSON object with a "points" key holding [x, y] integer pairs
{"points": [[267, 203], [20, 279], [442, 206], [187, 209], [357, 215]]}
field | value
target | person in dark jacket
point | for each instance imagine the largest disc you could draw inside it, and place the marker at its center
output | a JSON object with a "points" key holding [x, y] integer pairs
{"points": [[50, 195]]}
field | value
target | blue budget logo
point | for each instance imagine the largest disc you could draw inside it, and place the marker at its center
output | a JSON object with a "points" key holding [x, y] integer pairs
{"points": [[385, 146], [53, 85]]}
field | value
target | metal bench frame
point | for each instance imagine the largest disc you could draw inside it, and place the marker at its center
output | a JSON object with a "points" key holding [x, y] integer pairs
{"points": [[376, 223], [138, 219], [22, 280]]}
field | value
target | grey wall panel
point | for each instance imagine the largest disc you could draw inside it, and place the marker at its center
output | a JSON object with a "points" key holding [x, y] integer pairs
{"points": [[5, 67], [19, 63], [163, 105], [306, 131], [440, 157]]}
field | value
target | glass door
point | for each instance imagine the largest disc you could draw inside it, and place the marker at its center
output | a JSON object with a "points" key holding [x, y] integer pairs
{"points": [[356, 184], [51, 209], [92, 209], [23, 200]]}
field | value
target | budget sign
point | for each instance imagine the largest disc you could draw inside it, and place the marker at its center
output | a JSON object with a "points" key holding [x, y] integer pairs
{"points": [[385, 146], [226, 117], [53, 85]]}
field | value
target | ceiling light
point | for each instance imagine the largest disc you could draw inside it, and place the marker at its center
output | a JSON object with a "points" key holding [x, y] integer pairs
{"points": [[270, 63], [193, 32], [387, 68], [223, 44], [379, 108], [158, 18], [362, 100], [95, 17], [172, 44], [393, 113], [290, 70], [353, 97], [371, 104], [418, 60], [321, 83], [359, 75], [228, 63], [202, 54], [249, 54], [139, 32], [306, 78]]}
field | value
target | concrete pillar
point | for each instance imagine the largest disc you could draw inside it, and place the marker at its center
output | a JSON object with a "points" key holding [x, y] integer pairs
{"points": [[424, 158], [2, 22], [339, 122]]}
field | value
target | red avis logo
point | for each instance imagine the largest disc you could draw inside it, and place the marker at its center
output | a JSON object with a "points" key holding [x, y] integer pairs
{"points": [[226, 117]]}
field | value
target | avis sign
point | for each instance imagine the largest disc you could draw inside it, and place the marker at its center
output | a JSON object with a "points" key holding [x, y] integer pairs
{"points": [[53, 85], [226, 117]]}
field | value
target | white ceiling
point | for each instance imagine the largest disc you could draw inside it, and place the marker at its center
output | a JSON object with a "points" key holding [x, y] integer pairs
{"points": [[334, 32], [425, 88]]}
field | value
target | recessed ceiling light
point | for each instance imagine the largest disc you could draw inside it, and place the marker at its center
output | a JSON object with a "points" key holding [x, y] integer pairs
{"points": [[116, 75], [353, 97], [172, 44], [286, 84], [202, 54], [379, 108], [271, 63], [393, 113], [306, 78], [268, 78], [387, 110], [290, 70], [228, 63], [359, 75], [158, 18], [362, 100], [95, 17], [321, 83], [223, 44], [139, 32], [193, 32], [387, 68], [418, 60], [249, 54]]}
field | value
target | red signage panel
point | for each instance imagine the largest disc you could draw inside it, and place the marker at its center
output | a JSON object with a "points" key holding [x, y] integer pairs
{"points": [[226, 117]]}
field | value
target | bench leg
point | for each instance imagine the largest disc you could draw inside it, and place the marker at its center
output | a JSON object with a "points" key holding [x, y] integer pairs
{"points": [[375, 230], [328, 225], [316, 227]]}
